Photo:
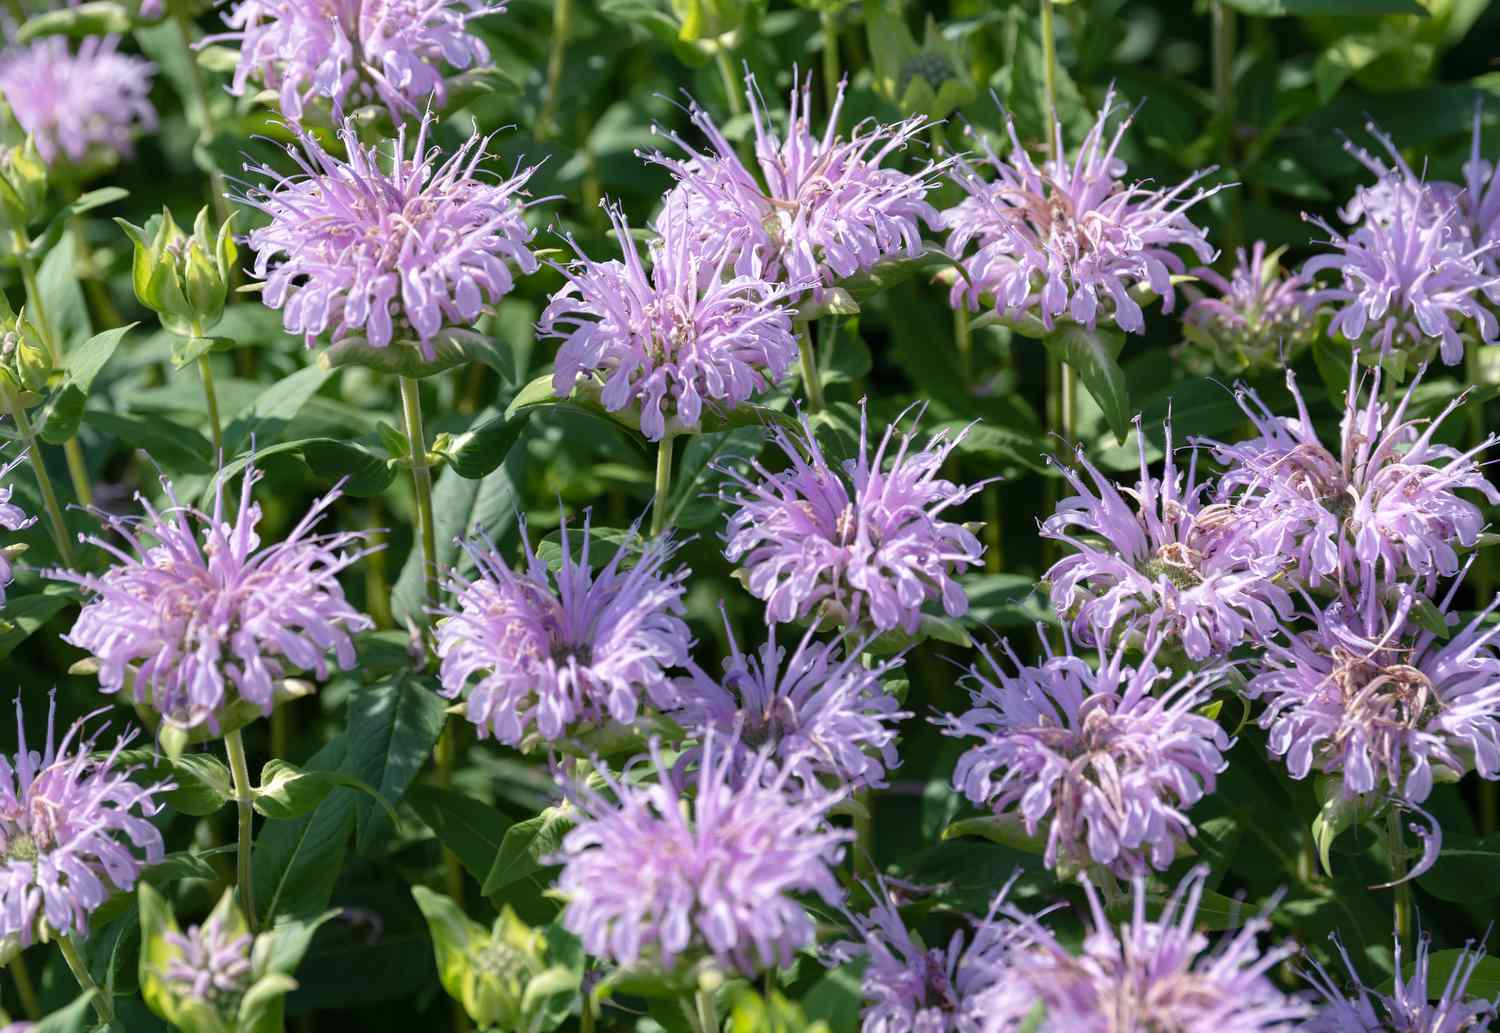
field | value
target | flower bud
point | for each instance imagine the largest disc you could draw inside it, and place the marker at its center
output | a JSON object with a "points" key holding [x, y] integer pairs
{"points": [[183, 279], [23, 184], [25, 361]]}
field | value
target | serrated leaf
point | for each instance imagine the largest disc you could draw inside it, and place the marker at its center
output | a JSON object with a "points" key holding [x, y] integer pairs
{"points": [[1094, 355], [524, 846], [393, 727]]}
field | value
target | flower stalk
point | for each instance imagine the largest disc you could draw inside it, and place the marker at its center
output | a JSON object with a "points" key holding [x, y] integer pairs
{"points": [[421, 477], [244, 799], [56, 524], [664, 450], [80, 969], [811, 382]]}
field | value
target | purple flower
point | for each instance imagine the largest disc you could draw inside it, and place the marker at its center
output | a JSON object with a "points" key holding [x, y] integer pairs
{"points": [[964, 987], [1074, 242], [1115, 757], [1372, 696], [1262, 317], [1477, 199], [12, 518], [651, 875], [1158, 974], [817, 210], [553, 650], [868, 542], [1408, 1006], [73, 831], [354, 52], [1406, 279], [211, 967], [1388, 504], [195, 614], [671, 341], [79, 104], [820, 712], [386, 255], [1157, 558]]}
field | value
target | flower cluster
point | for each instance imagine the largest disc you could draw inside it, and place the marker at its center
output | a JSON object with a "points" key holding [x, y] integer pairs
{"points": [[1071, 241], [1410, 1005], [1387, 705], [12, 518], [388, 251], [673, 341], [353, 52], [1160, 558], [551, 650], [211, 965], [823, 209], [78, 104], [1113, 757], [1388, 505], [651, 873], [195, 614], [820, 712], [868, 541], [74, 829], [1158, 974], [1261, 319]]}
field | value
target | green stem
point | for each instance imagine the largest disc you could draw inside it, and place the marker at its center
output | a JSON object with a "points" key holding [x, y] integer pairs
{"points": [[421, 477], [864, 836], [207, 129], [211, 397], [731, 88], [965, 341], [831, 73], [664, 449], [1069, 403], [58, 526], [1223, 61], [77, 470], [562, 22], [1396, 848], [811, 382], [586, 1016], [707, 1012], [244, 799], [74, 957], [1049, 76], [25, 988]]}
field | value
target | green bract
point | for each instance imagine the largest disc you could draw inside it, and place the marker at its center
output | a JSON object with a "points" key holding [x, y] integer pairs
{"points": [[183, 279]]}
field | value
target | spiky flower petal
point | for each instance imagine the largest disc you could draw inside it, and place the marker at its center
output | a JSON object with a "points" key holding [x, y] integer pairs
{"points": [[1410, 1006], [1262, 317], [542, 652], [212, 966], [12, 518], [78, 104]]}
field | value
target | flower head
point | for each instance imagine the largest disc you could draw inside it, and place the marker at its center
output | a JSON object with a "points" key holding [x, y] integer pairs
{"points": [[1158, 974], [1114, 757], [354, 52], [1158, 557], [78, 104], [552, 650], [816, 210], [868, 541], [1261, 318], [653, 873], [820, 711], [1071, 241], [1477, 199], [1408, 1008], [672, 341], [12, 518], [387, 255], [211, 965], [1407, 279], [1388, 504], [73, 831], [962, 987], [195, 614], [1372, 696]]}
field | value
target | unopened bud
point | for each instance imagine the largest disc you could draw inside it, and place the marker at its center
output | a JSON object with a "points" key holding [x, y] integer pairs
{"points": [[183, 279]]}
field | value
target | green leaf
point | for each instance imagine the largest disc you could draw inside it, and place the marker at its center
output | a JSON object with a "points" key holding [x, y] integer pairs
{"points": [[264, 419], [524, 845], [188, 350], [460, 508], [1006, 830], [177, 448], [202, 780], [99, 18], [1278, 8], [478, 451], [604, 543], [24, 616], [74, 1018], [60, 418], [1484, 983], [62, 295], [296, 863], [367, 473], [451, 349], [1464, 872], [1093, 354], [693, 502], [393, 727], [474, 831], [287, 792], [85, 203]]}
